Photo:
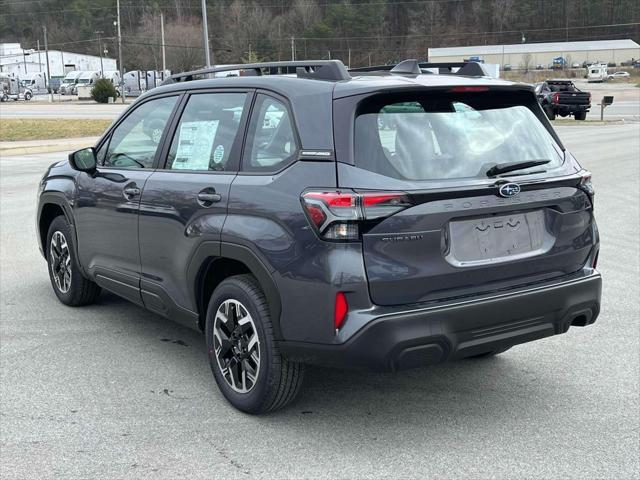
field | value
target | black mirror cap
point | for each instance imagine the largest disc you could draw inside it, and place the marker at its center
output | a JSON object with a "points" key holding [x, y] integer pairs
{"points": [[84, 160]]}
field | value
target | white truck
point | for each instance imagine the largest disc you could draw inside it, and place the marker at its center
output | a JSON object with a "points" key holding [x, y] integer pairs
{"points": [[84, 84], [67, 87], [36, 82], [135, 82], [114, 77], [597, 72]]}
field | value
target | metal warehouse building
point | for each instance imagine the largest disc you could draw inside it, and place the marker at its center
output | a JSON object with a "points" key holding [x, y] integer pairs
{"points": [[14, 59], [532, 54]]}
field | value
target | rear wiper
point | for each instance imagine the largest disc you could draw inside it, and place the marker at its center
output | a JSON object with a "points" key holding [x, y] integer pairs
{"points": [[513, 166]]}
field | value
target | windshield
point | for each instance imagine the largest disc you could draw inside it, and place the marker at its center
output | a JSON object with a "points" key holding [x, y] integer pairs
{"points": [[83, 80], [443, 138]]}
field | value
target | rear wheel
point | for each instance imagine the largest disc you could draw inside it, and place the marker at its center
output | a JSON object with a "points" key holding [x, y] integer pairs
{"points": [[551, 115], [68, 283], [244, 357], [581, 116]]}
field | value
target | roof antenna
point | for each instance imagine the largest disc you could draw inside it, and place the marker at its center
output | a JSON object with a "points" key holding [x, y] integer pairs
{"points": [[407, 67]]}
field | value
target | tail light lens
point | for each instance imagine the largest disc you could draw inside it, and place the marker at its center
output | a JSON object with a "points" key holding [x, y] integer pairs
{"points": [[339, 215], [556, 98], [587, 186]]}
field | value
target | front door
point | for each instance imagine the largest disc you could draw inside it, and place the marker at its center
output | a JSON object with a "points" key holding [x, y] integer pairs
{"points": [[184, 205], [108, 201]]}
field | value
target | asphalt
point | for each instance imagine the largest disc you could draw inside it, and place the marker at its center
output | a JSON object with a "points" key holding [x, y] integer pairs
{"points": [[112, 391]]}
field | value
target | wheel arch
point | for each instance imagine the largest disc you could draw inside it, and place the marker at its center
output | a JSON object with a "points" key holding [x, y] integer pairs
{"points": [[52, 205], [213, 264]]}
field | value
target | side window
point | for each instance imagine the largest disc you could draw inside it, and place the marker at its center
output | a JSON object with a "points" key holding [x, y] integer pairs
{"points": [[134, 142], [271, 143], [207, 131]]}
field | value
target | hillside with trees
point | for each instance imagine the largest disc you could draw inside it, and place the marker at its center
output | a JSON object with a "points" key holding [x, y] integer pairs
{"points": [[376, 31]]}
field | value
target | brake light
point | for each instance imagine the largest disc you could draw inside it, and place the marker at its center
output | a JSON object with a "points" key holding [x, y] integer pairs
{"points": [[340, 310], [587, 186], [556, 97], [468, 89], [337, 215]]}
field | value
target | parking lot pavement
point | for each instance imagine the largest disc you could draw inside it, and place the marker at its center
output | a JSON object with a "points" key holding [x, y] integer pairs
{"points": [[112, 391]]}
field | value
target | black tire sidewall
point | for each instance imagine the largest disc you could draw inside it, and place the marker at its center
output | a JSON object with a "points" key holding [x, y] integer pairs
{"points": [[255, 400], [69, 298]]}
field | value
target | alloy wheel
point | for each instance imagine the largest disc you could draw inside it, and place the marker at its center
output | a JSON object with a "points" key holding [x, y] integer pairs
{"points": [[60, 259], [236, 346]]}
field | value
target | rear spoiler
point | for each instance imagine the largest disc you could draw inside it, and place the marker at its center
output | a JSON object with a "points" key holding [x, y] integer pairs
{"points": [[414, 67]]}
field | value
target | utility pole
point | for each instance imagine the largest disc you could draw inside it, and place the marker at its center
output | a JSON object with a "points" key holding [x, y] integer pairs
{"points": [[39, 59], [120, 53], [164, 57], [46, 56], [349, 63], [293, 49], [205, 32], [24, 61], [100, 32]]}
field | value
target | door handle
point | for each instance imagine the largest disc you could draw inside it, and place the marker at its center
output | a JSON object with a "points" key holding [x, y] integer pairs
{"points": [[130, 192], [208, 197]]}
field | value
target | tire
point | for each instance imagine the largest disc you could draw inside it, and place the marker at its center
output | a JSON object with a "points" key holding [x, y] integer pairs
{"points": [[79, 290], [277, 380], [580, 116], [27, 96], [551, 115]]}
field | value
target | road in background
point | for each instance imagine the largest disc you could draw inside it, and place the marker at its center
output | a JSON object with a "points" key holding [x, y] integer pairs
{"points": [[64, 110], [113, 391]]}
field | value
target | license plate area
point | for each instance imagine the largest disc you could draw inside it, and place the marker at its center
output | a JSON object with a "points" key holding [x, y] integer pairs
{"points": [[497, 239]]}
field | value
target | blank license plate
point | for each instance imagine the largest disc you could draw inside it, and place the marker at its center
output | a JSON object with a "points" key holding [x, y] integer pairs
{"points": [[497, 239]]}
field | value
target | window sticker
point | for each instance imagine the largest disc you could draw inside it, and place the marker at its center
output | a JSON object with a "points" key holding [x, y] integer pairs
{"points": [[195, 142]]}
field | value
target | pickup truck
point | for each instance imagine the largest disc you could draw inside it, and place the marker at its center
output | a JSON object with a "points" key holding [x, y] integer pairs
{"points": [[562, 97]]}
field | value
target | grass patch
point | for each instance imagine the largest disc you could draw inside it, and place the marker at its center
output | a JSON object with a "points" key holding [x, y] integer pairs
{"points": [[16, 129]]}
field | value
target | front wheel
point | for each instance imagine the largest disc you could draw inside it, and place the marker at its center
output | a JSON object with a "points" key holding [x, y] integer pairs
{"points": [[68, 283], [244, 357], [27, 96]]}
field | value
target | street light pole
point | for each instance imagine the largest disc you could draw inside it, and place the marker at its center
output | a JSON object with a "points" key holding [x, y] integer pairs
{"points": [[46, 56], [164, 56], [100, 32], [205, 32], [120, 53]]}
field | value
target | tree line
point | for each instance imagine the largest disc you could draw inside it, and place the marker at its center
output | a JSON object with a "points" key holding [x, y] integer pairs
{"points": [[361, 32]]}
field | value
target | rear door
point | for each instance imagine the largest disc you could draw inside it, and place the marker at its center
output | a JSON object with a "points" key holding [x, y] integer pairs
{"points": [[184, 204], [457, 231]]}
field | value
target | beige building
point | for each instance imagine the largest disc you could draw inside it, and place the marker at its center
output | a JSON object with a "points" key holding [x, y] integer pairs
{"points": [[533, 54]]}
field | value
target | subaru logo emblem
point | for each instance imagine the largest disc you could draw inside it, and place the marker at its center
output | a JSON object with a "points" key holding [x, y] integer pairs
{"points": [[509, 190]]}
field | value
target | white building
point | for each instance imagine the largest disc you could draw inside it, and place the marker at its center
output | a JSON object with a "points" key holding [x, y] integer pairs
{"points": [[517, 55], [14, 59]]}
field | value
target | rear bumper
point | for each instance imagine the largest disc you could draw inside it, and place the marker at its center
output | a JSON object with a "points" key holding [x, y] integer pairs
{"points": [[571, 108], [461, 329]]}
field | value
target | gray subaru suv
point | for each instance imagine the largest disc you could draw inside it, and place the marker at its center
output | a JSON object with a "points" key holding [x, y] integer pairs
{"points": [[302, 213]]}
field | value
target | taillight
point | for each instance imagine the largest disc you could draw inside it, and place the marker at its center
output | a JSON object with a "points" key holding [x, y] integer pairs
{"points": [[587, 186], [463, 89], [556, 98], [340, 310], [338, 215]]}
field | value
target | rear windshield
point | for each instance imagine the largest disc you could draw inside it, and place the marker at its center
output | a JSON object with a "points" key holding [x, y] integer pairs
{"points": [[441, 136]]}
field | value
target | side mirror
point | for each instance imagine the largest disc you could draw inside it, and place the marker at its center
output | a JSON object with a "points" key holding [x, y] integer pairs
{"points": [[83, 160]]}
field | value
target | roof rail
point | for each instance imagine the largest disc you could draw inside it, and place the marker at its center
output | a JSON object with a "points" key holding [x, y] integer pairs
{"points": [[468, 69], [333, 70]]}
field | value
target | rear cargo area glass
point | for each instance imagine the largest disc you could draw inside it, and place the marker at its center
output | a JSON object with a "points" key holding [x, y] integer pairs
{"points": [[448, 136]]}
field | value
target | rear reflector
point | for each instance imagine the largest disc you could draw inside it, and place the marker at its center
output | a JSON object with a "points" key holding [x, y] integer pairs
{"points": [[340, 311]]}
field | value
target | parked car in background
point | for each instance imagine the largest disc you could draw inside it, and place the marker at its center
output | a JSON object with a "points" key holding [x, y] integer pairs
{"points": [[274, 214], [575, 65], [622, 74], [562, 97]]}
